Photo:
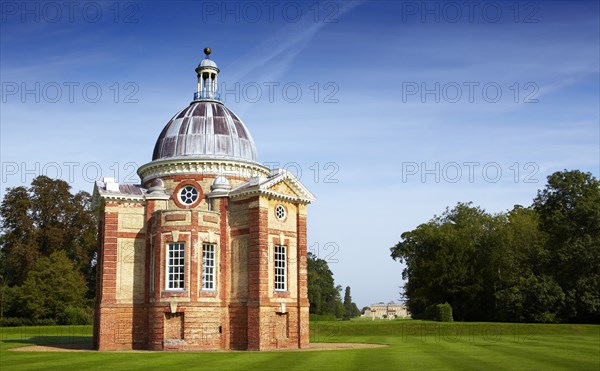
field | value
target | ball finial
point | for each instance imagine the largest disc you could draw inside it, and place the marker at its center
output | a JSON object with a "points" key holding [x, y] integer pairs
{"points": [[207, 51]]}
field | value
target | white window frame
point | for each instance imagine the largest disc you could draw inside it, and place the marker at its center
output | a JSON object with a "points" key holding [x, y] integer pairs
{"points": [[280, 212], [209, 258], [280, 267], [175, 265], [189, 188]]}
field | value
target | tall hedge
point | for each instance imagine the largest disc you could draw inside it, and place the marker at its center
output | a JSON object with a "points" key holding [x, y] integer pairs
{"points": [[444, 312]]}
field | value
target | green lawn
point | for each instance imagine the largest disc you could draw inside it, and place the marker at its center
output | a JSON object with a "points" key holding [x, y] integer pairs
{"points": [[412, 345]]}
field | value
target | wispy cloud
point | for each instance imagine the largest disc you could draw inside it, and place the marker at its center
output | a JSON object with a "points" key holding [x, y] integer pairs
{"points": [[280, 50]]}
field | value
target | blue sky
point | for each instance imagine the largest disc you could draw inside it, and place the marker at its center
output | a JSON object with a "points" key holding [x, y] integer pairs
{"points": [[387, 111]]}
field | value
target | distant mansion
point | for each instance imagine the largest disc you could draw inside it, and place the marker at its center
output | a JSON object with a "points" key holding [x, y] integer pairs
{"points": [[390, 310]]}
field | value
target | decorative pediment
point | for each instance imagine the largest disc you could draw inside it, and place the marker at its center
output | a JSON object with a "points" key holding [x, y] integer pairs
{"points": [[283, 189], [282, 184]]}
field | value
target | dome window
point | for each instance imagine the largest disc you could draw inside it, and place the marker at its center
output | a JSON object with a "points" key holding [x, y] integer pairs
{"points": [[188, 195]]}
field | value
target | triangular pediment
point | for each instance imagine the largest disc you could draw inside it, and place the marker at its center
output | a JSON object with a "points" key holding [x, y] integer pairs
{"points": [[283, 188], [281, 184]]}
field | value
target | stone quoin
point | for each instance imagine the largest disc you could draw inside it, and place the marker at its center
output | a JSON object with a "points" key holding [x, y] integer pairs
{"points": [[209, 251]]}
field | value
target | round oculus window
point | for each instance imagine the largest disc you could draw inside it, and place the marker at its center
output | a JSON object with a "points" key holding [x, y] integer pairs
{"points": [[280, 212], [188, 195]]}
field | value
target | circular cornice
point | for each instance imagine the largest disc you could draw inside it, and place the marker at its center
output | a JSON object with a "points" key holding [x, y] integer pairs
{"points": [[182, 166]]}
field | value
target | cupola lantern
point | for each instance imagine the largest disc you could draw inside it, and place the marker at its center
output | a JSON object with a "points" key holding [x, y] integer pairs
{"points": [[207, 72]]}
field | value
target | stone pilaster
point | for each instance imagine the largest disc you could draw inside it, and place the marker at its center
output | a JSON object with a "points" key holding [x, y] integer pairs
{"points": [[258, 275], [303, 304]]}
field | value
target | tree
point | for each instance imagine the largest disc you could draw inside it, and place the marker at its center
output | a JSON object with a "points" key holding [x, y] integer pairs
{"points": [[83, 238], [523, 289], [18, 251], [531, 264], [42, 219], [339, 306], [51, 287], [569, 209], [355, 311], [50, 209], [348, 308], [323, 295], [441, 259], [37, 222], [64, 221]]}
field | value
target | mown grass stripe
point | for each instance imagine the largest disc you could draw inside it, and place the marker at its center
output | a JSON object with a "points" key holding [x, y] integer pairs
{"points": [[414, 345], [542, 355]]}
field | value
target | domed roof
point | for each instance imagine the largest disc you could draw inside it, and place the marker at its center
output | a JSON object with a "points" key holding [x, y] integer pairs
{"points": [[220, 184], [206, 130], [206, 62]]}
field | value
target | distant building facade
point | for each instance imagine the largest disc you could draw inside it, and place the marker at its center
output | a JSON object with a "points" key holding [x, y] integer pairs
{"points": [[388, 311], [209, 251]]}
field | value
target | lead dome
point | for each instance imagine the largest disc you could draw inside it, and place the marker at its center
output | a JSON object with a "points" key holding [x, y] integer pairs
{"points": [[206, 129]]}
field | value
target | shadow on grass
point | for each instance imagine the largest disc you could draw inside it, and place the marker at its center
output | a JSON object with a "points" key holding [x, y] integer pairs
{"points": [[58, 342]]}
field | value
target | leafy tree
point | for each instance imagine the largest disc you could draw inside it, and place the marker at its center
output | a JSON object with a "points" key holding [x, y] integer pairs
{"points": [[441, 260], [443, 313], [323, 295], [569, 209], [64, 221], [337, 303], [52, 285], [531, 264], [42, 219], [18, 250], [487, 267], [355, 311], [37, 222], [523, 289], [531, 298], [350, 308], [347, 304], [83, 238], [50, 210]]}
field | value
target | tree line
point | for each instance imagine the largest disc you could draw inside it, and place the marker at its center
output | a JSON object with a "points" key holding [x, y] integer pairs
{"points": [[324, 296], [539, 263]]}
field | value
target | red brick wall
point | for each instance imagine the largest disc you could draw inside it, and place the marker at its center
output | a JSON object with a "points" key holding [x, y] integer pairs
{"points": [[98, 280], [107, 269], [206, 320], [303, 304], [238, 326]]}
